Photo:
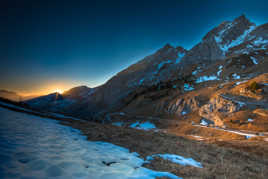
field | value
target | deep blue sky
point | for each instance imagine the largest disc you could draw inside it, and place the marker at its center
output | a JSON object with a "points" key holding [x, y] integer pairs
{"points": [[60, 44]]}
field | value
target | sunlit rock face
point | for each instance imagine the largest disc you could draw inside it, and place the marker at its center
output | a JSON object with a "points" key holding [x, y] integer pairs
{"points": [[217, 108]]}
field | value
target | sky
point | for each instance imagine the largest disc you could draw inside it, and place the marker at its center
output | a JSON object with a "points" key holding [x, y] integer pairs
{"points": [[49, 45]]}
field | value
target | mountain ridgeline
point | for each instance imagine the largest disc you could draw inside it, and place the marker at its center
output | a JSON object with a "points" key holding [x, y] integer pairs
{"points": [[174, 81]]}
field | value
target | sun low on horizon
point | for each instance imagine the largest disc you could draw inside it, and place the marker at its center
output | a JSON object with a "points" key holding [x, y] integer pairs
{"points": [[57, 90]]}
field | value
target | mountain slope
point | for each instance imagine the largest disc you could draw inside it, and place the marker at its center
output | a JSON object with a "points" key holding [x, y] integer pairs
{"points": [[233, 50]]}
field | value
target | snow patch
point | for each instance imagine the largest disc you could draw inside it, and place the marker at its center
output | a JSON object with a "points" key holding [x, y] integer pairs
{"points": [[254, 60], [143, 126], [183, 113], [206, 78], [177, 159], [235, 76], [187, 87], [220, 70], [141, 81], [233, 43], [218, 38], [240, 82], [203, 122], [260, 41], [160, 65], [250, 120], [194, 72], [180, 56], [247, 136]]}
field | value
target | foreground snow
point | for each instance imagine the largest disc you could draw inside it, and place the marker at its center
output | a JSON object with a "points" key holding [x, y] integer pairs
{"points": [[34, 147]]}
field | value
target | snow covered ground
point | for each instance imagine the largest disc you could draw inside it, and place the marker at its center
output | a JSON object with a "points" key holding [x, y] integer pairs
{"points": [[34, 147], [143, 126]]}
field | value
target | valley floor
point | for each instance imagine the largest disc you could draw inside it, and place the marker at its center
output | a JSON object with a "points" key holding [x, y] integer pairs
{"points": [[219, 158]]}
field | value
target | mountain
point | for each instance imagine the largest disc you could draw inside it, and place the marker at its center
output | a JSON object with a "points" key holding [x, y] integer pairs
{"points": [[10, 95], [80, 92], [13, 96], [174, 81], [69, 102]]}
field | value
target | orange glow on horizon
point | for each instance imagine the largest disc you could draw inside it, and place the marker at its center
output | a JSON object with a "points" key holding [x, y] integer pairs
{"points": [[58, 91], [47, 88]]}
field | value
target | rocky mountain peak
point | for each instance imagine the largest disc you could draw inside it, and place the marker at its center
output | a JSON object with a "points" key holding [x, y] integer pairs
{"points": [[216, 43], [242, 19], [167, 46], [180, 49], [165, 49]]}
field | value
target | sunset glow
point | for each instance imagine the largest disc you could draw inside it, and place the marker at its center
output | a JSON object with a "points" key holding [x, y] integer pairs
{"points": [[58, 91]]}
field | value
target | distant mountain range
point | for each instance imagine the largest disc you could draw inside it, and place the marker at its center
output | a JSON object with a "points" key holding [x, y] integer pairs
{"points": [[14, 96], [160, 84]]}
